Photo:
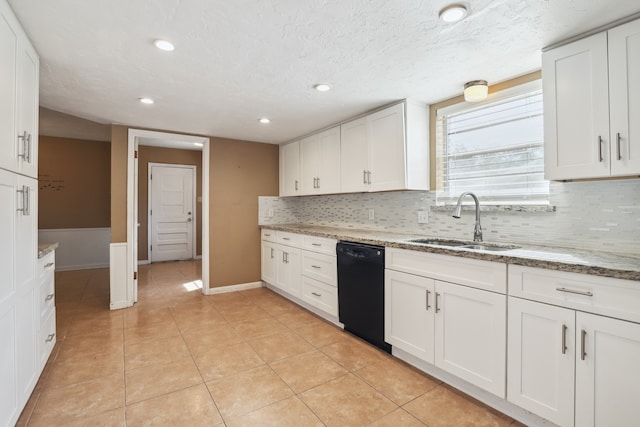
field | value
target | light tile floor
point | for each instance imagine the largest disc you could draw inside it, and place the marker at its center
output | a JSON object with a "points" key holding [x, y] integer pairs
{"points": [[238, 359]]}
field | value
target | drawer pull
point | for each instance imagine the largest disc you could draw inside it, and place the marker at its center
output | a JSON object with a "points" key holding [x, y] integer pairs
{"points": [[437, 307], [267, 235], [583, 350], [50, 337], [316, 244], [573, 291], [316, 294], [316, 266], [49, 297], [47, 265], [564, 339], [427, 298], [286, 238]]}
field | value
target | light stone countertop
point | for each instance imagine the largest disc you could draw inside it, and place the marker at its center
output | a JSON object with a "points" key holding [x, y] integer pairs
{"points": [[597, 263], [45, 248]]}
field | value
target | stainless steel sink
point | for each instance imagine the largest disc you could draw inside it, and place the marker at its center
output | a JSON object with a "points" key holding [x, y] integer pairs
{"points": [[479, 246]]}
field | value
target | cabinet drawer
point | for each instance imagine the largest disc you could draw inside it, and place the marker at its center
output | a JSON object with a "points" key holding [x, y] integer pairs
{"points": [[47, 264], [320, 267], [289, 239], [46, 338], [47, 294], [491, 276], [320, 295], [268, 235], [594, 294], [320, 244]]}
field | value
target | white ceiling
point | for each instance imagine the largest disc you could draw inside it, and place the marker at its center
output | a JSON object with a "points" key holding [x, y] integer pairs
{"points": [[238, 60]]}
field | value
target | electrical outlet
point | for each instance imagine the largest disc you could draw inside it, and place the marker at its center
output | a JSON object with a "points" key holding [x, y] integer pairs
{"points": [[423, 217], [372, 215], [270, 212]]}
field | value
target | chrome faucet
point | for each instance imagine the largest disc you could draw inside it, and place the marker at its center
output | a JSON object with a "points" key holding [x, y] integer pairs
{"points": [[477, 231]]}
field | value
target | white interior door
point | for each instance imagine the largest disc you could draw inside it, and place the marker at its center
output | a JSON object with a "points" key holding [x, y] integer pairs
{"points": [[171, 212]]}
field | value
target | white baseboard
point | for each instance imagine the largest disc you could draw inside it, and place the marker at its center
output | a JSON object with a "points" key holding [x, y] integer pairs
{"points": [[234, 288], [143, 262], [198, 257], [82, 267]]}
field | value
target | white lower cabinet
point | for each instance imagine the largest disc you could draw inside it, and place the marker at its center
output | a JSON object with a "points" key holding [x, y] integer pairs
{"points": [[459, 329], [607, 371], [541, 354], [304, 268]]}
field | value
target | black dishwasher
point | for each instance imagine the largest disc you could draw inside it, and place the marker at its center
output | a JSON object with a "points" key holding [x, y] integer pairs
{"points": [[361, 291]]}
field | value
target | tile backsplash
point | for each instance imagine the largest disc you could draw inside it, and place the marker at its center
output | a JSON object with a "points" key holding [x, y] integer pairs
{"points": [[597, 215]]}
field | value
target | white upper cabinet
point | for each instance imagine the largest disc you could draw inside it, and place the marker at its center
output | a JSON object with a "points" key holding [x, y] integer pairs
{"points": [[624, 98], [387, 150], [590, 99], [19, 97], [290, 169], [320, 162]]}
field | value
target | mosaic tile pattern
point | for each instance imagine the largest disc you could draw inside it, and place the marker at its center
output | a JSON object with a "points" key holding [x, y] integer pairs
{"points": [[594, 215]]}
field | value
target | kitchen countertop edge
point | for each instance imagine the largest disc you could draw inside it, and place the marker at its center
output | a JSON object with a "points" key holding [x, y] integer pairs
{"points": [[605, 264], [45, 248]]}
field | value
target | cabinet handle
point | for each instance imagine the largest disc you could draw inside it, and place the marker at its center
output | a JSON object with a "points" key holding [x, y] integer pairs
{"points": [[573, 291], [49, 297], [318, 187], [25, 200], [271, 253], [437, 307], [286, 257], [296, 185], [286, 238], [267, 235], [564, 339], [50, 337], [316, 244], [283, 259], [316, 266], [316, 294], [369, 177], [618, 138], [364, 177], [26, 146], [599, 149], [583, 350], [47, 265], [427, 299]]}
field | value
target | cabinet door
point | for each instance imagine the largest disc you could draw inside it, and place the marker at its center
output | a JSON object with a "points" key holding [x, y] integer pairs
{"points": [[288, 270], [26, 233], [541, 359], [387, 149], [329, 165], [8, 79], [471, 335], [290, 169], [607, 371], [576, 110], [28, 68], [624, 87], [8, 385], [409, 313], [354, 157], [309, 164], [269, 261]]}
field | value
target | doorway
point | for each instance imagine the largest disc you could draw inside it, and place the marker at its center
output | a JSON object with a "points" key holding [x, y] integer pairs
{"points": [[129, 294], [172, 212]]}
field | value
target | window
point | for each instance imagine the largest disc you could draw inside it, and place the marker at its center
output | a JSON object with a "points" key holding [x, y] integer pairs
{"points": [[495, 149]]}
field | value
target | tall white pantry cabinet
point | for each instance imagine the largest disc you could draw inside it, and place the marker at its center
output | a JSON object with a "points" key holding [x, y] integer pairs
{"points": [[20, 366]]}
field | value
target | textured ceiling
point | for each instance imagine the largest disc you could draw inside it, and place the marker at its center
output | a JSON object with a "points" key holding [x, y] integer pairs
{"points": [[238, 60]]}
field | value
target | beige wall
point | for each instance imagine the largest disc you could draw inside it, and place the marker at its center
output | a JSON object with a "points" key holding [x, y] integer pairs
{"points": [[74, 183], [147, 154], [240, 171]]}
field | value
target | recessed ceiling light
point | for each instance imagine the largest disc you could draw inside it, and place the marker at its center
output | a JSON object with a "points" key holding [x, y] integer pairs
{"points": [[453, 13], [147, 101], [164, 45], [264, 120], [322, 87]]}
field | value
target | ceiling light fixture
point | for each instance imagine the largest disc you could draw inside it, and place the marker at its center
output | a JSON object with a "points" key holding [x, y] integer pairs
{"points": [[476, 90], [453, 13], [264, 120], [164, 45], [322, 87], [147, 101]]}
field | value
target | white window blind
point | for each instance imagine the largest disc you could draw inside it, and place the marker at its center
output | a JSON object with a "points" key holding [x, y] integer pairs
{"points": [[495, 150]]}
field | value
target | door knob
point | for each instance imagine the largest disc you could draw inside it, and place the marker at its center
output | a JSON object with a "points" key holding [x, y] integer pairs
{"points": [[189, 220]]}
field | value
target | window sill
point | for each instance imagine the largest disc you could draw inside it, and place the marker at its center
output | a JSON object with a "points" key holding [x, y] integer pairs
{"points": [[496, 208]]}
